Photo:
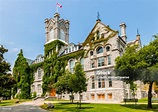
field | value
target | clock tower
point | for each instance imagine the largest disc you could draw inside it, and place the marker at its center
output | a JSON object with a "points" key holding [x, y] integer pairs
{"points": [[57, 29]]}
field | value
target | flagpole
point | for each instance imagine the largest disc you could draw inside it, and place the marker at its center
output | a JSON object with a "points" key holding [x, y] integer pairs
{"points": [[57, 8]]}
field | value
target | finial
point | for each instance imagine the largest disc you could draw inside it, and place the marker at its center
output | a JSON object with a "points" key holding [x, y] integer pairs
{"points": [[137, 31], [98, 16]]}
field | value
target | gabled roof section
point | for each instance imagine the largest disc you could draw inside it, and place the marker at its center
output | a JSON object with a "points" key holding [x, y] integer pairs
{"points": [[103, 30]]}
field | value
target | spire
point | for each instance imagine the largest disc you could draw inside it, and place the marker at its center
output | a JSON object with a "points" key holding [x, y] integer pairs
{"points": [[137, 32], [98, 17]]}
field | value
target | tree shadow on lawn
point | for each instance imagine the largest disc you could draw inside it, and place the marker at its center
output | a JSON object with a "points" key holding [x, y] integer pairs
{"points": [[142, 107], [72, 107]]}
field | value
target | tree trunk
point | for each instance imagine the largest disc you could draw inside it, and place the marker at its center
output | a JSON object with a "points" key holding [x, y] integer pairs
{"points": [[150, 95], [72, 100], [80, 100]]}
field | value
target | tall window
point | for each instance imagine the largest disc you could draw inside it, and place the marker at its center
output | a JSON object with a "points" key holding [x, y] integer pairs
{"points": [[72, 64], [110, 83], [99, 50], [52, 33], [109, 59], [39, 73], [33, 88], [62, 35], [98, 35], [92, 63], [93, 83], [100, 61], [121, 52], [82, 62], [39, 88], [101, 83]]}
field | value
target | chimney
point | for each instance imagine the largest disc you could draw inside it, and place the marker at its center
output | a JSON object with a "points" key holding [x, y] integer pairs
{"points": [[123, 31]]}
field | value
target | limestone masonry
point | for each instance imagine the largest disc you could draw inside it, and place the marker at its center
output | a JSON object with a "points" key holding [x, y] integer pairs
{"points": [[102, 46]]}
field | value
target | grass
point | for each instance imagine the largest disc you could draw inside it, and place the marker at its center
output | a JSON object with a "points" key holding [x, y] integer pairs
{"points": [[92, 107], [12, 102], [145, 100]]}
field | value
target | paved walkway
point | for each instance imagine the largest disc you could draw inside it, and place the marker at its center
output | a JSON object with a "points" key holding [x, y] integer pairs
{"points": [[31, 106]]}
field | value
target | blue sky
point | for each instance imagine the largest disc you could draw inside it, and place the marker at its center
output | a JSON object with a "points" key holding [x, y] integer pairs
{"points": [[22, 21]]}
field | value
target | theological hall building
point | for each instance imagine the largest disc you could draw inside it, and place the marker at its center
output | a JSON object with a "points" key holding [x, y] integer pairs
{"points": [[101, 47]]}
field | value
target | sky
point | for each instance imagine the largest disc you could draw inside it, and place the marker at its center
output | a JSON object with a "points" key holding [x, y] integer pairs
{"points": [[22, 21]]}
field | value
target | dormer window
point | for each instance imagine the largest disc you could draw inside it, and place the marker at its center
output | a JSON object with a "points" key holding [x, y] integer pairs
{"points": [[72, 48], [99, 50]]}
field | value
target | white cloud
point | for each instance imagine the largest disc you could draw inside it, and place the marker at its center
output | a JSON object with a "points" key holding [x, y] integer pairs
{"points": [[10, 43], [14, 50]]}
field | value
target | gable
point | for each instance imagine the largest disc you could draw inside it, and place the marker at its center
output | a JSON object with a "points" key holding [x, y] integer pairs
{"points": [[99, 33]]}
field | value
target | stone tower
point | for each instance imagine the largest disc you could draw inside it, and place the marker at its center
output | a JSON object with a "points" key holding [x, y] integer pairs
{"points": [[57, 29], [123, 31]]}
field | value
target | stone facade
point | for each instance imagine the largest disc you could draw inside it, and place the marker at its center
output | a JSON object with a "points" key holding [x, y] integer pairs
{"points": [[102, 46]]}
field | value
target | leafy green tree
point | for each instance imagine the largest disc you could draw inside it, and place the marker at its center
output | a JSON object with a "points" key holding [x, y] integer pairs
{"points": [[140, 65], [21, 72], [6, 79], [80, 78], [65, 83], [148, 57]]}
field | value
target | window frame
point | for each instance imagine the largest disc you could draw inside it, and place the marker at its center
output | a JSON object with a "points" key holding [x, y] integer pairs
{"points": [[98, 50], [101, 61]]}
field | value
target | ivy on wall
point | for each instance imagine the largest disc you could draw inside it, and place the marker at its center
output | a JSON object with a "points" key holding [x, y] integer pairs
{"points": [[52, 46]]}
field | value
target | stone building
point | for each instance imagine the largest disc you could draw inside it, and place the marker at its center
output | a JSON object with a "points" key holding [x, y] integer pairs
{"points": [[101, 47]]}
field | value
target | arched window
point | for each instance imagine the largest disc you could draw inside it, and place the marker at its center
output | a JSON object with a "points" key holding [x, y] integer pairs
{"points": [[107, 48], [72, 64], [52, 33], [39, 88], [99, 50], [62, 35], [91, 53]]}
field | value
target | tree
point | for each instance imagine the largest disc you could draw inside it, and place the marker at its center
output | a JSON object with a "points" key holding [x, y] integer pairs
{"points": [[148, 57], [140, 65], [21, 73], [65, 83], [6, 79], [80, 84]]}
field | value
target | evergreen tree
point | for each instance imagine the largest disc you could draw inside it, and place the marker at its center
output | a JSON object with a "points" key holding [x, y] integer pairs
{"points": [[6, 80], [21, 73]]}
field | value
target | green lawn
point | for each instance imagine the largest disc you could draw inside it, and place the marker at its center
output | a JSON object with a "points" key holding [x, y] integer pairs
{"points": [[87, 107], [12, 102], [145, 100]]}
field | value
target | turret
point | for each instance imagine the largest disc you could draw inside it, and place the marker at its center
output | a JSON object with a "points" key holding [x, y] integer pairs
{"points": [[123, 31]]}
